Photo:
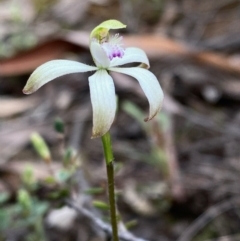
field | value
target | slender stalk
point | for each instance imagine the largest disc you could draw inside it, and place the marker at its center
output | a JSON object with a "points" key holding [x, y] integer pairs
{"points": [[107, 147]]}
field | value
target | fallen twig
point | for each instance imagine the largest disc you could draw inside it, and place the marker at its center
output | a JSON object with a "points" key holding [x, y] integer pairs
{"points": [[127, 236], [208, 216], [235, 237]]}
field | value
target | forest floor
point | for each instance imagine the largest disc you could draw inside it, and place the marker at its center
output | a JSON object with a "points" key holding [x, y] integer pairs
{"points": [[177, 176]]}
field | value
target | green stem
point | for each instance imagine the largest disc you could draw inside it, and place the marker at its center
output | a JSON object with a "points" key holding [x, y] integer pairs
{"points": [[107, 147]]}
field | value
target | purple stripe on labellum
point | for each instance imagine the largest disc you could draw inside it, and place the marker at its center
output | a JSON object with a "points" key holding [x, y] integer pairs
{"points": [[113, 47]]}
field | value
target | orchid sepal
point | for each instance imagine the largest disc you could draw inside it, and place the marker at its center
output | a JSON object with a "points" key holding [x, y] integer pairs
{"points": [[101, 31], [52, 70], [102, 92], [149, 85]]}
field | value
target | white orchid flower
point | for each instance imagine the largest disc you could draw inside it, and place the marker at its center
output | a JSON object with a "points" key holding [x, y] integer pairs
{"points": [[108, 54]]}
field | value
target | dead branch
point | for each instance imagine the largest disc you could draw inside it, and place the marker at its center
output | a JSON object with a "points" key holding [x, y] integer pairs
{"points": [[207, 217], [127, 236]]}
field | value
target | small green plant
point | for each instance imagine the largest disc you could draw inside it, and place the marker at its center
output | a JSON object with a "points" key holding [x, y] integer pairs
{"points": [[157, 156], [26, 214], [28, 211]]}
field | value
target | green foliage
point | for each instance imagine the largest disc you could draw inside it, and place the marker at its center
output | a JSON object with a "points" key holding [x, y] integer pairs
{"points": [[135, 112], [24, 200], [28, 178], [59, 126], [29, 208], [4, 197], [69, 157], [26, 214], [94, 190], [41, 147], [209, 232], [100, 205], [131, 224], [157, 156], [42, 5]]}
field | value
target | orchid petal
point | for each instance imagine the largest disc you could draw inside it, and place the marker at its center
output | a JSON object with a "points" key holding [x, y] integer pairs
{"points": [[51, 70], [102, 92], [149, 85], [131, 55], [100, 57]]}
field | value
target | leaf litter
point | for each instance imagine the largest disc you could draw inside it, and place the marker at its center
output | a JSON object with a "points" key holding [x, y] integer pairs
{"points": [[194, 53]]}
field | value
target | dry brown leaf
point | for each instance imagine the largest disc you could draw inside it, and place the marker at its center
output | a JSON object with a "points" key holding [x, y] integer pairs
{"points": [[215, 60], [27, 61], [10, 174], [13, 106], [16, 135], [10, 181], [154, 46], [12, 142], [158, 46], [139, 203], [40, 169]]}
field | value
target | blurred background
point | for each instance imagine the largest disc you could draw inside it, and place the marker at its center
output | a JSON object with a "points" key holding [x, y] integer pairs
{"points": [[177, 177]]}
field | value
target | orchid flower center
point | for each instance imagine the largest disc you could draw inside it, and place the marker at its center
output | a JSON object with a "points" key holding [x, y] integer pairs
{"points": [[113, 47]]}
